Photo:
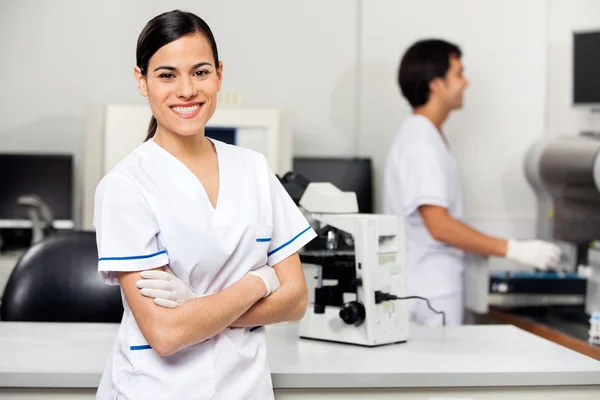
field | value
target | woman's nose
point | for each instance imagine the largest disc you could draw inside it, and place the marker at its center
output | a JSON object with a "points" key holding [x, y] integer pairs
{"points": [[186, 88]]}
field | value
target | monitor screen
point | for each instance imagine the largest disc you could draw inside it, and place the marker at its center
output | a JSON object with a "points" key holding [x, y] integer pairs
{"points": [[49, 177], [347, 174], [226, 135], [586, 68]]}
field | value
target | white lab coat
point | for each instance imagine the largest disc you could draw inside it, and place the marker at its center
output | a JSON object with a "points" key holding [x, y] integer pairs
{"points": [[151, 211], [421, 170]]}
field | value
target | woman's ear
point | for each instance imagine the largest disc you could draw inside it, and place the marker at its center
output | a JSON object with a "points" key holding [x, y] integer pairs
{"points": [[141, 81], [220, 73]]}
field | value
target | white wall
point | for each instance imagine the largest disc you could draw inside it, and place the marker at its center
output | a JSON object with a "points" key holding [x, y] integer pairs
{"points": [[60, 55], [565, 17], [332, 62]]}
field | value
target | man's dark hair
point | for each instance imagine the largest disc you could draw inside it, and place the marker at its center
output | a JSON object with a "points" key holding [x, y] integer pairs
{"points": [[423, 62]]}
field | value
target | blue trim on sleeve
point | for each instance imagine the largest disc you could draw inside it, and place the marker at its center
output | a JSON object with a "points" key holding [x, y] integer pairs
{"points": [[269, 254], [132, 257], [140, 347], [260, 240]]}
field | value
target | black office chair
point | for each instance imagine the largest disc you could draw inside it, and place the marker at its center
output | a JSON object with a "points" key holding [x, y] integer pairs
{"points": [[57, 280]]}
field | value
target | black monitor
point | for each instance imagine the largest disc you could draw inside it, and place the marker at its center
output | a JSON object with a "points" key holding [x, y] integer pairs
{"points": [[586, 68], [226, 135], [49, 177], [348, 174]]}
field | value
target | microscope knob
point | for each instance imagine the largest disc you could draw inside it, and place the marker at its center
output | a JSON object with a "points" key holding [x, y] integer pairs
{"points": [[353, 313]]}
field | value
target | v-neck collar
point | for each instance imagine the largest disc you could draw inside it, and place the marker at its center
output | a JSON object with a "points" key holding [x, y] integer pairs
{"points": [[190, 176]]}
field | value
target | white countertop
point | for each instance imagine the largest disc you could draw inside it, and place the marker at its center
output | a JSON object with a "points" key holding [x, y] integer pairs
{"points": [[73, 355]]}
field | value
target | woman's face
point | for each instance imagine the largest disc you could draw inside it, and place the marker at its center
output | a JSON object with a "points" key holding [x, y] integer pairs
{"points": [[181, 84]]}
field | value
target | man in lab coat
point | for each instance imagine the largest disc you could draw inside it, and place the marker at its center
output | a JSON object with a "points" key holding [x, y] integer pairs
{"points": [[422, 185]]}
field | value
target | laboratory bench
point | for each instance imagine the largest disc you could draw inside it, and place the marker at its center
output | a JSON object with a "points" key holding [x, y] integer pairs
{"points": [[491, 362], [568, 326]]}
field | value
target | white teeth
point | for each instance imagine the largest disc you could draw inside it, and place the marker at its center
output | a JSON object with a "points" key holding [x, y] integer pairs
{"points": [[186, 110]]}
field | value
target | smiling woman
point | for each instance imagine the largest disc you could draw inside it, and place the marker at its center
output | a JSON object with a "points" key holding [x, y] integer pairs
{"points": [[199, 70], [200, 235]]}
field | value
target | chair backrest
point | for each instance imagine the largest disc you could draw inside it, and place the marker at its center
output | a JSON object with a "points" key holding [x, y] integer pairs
{"points": [[57, 280]]}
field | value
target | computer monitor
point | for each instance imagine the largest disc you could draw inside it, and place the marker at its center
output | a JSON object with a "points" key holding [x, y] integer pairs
{"points": [[249, 137], [586, 68], [49, 177], [226, 135], [347, 174]]}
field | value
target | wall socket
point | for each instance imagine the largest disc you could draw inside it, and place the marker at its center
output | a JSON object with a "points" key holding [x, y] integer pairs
{"points": [[229, 99]]}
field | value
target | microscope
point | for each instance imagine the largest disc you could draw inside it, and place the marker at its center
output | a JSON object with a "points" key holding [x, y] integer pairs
{"points": [[360, 260]]}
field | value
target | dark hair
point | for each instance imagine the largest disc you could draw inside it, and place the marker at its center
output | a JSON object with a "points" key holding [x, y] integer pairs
{"points": [[424, 61], [164, 29]]}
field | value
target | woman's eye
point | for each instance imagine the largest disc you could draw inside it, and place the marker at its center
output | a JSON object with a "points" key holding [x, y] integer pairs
{"points": [[166, 76], [201, 73]]}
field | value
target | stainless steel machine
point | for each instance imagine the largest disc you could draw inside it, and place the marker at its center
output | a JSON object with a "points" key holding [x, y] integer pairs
{"points": [[564, 172], [565, 175]]}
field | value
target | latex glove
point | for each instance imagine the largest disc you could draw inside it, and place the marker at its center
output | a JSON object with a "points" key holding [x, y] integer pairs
{"points": [[536, 253], [269, 277], [165, 288]]}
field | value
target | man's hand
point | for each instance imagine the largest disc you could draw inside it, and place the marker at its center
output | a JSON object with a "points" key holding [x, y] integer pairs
{"points": [[536, 253], [165, 288]]}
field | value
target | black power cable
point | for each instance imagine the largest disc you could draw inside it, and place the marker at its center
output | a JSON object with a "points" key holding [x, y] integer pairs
{"points": [[381, 297]]}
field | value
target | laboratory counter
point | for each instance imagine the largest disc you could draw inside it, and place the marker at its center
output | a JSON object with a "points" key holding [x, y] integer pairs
{"points": [[568, 326], [42, 360]]}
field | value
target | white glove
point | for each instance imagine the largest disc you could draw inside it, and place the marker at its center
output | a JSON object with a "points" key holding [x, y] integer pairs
{"points": [[269, 277], [167, 290], [536, 253]]}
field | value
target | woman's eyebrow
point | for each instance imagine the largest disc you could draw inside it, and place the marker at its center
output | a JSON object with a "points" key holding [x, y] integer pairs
{"points": [[169, 68]]}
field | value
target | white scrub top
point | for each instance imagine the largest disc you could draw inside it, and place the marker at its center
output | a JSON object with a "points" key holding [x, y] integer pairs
{"points": [[151, 210], [421, 170]]}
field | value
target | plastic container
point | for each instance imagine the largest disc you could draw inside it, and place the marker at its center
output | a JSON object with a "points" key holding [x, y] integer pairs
{"points": [[595, 328]]}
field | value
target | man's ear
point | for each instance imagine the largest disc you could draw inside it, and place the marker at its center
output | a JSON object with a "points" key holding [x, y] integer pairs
{"points": [[141, 81], [437, 85], [434, 85]]}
